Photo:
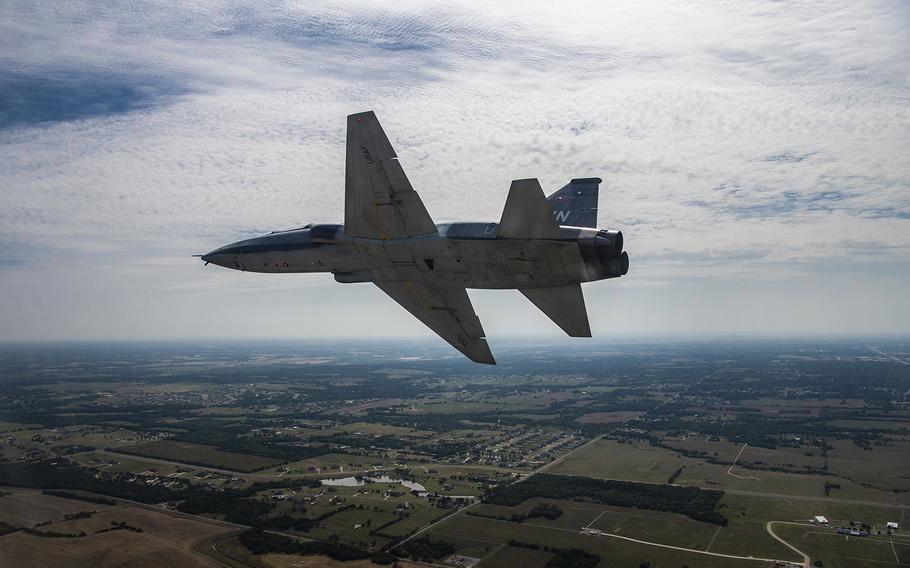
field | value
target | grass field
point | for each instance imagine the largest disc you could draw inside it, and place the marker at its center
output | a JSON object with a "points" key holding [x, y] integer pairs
{"points": [[293, 561], [10, 426], [334, 463], [839, 551], [744, 536], [198, 454], [165, 540], [612, 460], [27, 508], [885, 467], [748, 516], [515, 557], [640, 461], [381, 430], [608, 417], [483, 538]]}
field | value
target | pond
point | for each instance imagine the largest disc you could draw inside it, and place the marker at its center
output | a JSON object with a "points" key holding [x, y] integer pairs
{"points": [[357, 482]]}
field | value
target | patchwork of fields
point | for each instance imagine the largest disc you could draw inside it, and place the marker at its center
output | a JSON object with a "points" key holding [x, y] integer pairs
{"points": [[413, 461]]}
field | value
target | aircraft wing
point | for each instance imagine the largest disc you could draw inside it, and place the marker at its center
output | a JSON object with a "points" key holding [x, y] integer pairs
{"points": [[447, 310], [379, 202]]}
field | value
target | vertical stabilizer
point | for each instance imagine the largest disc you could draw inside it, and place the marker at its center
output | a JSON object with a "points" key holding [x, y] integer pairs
{"points": [[526, 215], [576, 203]]}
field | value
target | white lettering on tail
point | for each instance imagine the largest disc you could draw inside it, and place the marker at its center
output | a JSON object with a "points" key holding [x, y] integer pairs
{"points": [[562, 216]]}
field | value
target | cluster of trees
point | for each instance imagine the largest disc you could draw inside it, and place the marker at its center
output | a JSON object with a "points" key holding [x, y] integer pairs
{"points": [[562, 557], [52, 534], [698, 504], [540, 510], [241, 507], [258, 541], [234, 440], [393, 442], [65, 474], [79, 515], [238, 505], [546, 511], [572, 558], [119, 526]]}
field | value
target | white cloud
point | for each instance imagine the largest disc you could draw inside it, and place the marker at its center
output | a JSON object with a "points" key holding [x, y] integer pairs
{"points": [[740, 144]]}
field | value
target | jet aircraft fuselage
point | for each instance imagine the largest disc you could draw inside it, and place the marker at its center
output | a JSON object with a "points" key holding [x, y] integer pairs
{"points": [[469, 255], [545, 247]]}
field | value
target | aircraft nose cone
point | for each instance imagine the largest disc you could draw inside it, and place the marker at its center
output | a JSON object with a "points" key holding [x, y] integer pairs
{"points": [[214, 256]]}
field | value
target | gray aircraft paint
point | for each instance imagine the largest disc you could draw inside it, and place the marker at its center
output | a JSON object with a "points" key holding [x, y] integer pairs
{"points": [[543, 246]]}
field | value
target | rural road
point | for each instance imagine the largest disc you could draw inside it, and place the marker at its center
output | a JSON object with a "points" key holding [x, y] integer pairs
{"points": [[770, 528]]}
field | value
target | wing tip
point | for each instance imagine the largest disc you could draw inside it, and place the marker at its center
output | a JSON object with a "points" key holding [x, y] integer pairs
{"points": [[485, 359]]}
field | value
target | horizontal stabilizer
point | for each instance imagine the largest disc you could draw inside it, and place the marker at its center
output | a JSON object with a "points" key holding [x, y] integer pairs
{"points": [[565, 305], [527, 215]]}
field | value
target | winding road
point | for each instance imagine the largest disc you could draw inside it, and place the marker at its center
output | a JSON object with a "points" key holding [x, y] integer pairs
{"points": [[770, 528]]}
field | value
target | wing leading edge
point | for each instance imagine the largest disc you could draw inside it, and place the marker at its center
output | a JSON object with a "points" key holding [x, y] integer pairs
{"points": [[379, 202], [446, 310]]}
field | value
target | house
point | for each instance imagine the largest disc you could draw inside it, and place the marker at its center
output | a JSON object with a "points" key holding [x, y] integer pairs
{"points": [[820, 520]]}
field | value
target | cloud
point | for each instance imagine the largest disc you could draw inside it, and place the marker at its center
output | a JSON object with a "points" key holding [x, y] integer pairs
{"points": [[755, 142]]}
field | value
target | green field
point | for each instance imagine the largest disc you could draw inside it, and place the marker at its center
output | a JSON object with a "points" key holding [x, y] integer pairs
{"points": [[483, 537], [885, 467], [515, 557], [198, 454], [745, 535], [610, 459], [840, 551]]}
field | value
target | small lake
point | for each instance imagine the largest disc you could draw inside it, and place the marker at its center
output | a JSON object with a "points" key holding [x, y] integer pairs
{"points": [[355, 482]]}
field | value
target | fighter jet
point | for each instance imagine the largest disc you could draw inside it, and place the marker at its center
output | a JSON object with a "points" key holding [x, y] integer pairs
{"points": [[544, 247]]}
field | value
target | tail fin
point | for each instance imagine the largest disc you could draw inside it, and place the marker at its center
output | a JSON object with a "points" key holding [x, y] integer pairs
{"points": [[576, 203]]}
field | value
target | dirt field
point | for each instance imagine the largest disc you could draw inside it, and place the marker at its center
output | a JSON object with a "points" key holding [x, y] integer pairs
{"points": [[27, 508], [165, 540]]}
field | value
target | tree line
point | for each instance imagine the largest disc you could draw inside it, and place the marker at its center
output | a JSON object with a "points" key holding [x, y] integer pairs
{"points": [[696, 503]]}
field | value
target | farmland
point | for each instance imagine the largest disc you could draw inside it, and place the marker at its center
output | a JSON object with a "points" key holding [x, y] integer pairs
{"points": [[198, 454], [669, 454], [154, 538]]}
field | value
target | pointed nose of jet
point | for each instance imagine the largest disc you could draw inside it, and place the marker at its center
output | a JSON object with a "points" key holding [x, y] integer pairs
{"points": [[218, 256]]}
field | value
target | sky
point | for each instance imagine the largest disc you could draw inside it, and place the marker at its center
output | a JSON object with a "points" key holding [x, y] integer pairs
{"points": [[754, 154]]}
